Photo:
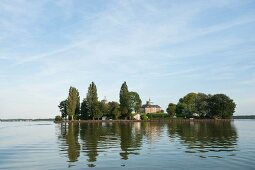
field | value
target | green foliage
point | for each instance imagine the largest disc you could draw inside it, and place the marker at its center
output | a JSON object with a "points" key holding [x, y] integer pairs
{"points": [[193, 103], [58, 118], [103, 108], [186, 105], [84, 115], [171, 109], [72, 102], [113, 110], [216, 106], [135, 101], [62, 108], [91, 108], [157, 115], [221, 106], [144, 117], [201, 104], [78, 108], [92, 101], [125, 106]]}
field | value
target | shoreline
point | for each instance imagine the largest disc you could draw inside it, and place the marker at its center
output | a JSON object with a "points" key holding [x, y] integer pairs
{"points": [[157, 121]]}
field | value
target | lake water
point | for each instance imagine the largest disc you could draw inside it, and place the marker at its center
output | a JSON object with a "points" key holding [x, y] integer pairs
{"points": [[101, 145]]}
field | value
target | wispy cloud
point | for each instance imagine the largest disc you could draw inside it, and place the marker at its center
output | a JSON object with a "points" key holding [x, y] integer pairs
{"points": [[158, 47]]}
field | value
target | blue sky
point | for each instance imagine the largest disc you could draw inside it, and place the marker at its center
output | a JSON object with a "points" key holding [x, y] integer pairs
{"points": [[164, 49]]}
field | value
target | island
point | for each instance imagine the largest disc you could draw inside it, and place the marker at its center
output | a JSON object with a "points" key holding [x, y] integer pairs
{"points": [[191, 106]]}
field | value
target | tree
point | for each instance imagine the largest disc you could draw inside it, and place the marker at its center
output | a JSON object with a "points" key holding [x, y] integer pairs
{"points": [[84, 114], [221, 106], [135, 101], [78, 108], [113, 110], [216, 106], [72, 102], [171, 109], [92, 101], [125, 107], [103, 108], [201, 104], [186, 105], [62, 108]]}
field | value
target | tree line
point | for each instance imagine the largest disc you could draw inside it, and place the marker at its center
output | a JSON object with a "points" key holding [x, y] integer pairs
{"points": [[91, 108], [200, 105], [192, 105]]}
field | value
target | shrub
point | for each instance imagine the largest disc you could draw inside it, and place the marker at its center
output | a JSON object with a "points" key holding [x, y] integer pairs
{"points": [[144, 117], [58, 118], [157, 115]]}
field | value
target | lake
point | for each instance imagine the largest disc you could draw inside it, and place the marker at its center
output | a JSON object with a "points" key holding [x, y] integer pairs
{"points": [[128, 145]]}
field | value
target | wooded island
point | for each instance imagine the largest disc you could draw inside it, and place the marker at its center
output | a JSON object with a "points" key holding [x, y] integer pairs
{"points": [[192, 105]]}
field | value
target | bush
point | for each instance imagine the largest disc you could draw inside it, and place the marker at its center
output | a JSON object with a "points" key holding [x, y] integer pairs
{"points": [[144, 117], [157, 115], [58, 118]]}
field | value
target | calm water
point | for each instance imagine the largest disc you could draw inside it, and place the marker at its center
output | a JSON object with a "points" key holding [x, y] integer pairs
{"points": [[192, 145]]}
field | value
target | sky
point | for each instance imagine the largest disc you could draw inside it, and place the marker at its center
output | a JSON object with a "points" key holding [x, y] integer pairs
{"points": [[163, 49]]}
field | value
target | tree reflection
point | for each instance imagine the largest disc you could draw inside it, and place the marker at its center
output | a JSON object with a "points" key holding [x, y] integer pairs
{"points": [[130, 139], [100, 139], [72, 142], [69, 141], [90, 135], [214, 136]]}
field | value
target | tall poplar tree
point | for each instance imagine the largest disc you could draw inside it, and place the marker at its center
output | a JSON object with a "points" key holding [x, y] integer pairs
{"points": [[72, 102], [92, 101], [125, 106], [78, 108]]}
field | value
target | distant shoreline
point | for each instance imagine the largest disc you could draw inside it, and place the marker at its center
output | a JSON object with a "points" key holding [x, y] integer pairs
{"points": [[25, 120]]}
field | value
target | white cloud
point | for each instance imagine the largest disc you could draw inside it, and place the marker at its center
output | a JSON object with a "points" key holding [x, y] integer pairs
{"points": [[150, 44]]}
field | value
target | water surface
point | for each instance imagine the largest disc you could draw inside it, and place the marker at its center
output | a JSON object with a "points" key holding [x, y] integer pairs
{"points": [[102, 145]]}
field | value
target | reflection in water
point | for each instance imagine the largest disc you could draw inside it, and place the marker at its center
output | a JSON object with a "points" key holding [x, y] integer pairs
{"points": [[72, 142], [152, 131], [130, 139], [201, 137], [98, 139], [94, 139], [69, 138]]}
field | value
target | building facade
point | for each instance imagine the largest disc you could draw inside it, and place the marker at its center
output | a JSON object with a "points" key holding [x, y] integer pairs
{"points": [[149, 107]]}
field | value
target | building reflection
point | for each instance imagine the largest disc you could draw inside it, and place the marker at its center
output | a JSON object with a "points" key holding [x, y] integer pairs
{"points": [[152, 131]]}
